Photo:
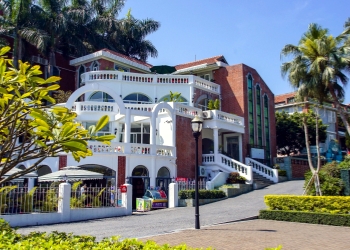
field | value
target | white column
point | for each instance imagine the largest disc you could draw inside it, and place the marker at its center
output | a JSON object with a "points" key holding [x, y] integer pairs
{"points": [[127, 199], [152, 172], [127, 130], [173, 195], [30, 183], [153, 127], [64, 201], [216, 140]]}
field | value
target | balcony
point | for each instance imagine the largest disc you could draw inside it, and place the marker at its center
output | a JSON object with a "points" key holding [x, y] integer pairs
{"points": [[126, 77]]}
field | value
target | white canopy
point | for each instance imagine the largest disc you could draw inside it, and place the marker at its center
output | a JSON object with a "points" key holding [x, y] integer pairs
{"points": [[16, 170], [71, 173]]}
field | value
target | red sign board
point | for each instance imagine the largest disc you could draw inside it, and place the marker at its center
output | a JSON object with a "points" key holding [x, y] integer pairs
{"points": [[181, 179], [123, 189]]}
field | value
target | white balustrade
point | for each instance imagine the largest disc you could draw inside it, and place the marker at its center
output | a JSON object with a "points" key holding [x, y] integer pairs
{"points": [[230, 118], [265, 171], [182, 109], [95, 107], [164, 150], [199, 83], [142, 107], [97, 147], [140, 149]]}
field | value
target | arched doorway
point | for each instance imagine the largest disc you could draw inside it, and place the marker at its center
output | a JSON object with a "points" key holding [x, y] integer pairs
{"points": [[140, 182], [109, 175], [163, 179]]}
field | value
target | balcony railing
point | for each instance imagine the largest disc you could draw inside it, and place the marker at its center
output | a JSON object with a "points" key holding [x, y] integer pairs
{"points": [[230, 118], [200, 83], [95, 107]]}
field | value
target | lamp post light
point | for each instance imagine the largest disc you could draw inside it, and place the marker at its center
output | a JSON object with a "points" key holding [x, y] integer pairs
{"points": [[196, 124]]}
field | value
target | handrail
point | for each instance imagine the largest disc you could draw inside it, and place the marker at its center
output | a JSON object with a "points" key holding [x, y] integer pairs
{"points": [[265, 171], [229, 163]]}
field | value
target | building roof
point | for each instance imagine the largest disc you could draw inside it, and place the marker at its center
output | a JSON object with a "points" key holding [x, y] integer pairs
{"points": [[210, 60], [283, 97], [112, 55]]}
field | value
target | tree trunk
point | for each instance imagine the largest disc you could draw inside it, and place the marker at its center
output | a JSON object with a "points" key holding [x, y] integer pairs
{"points": [[318, 157]]}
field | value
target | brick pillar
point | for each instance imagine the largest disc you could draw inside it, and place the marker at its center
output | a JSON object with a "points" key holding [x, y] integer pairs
{"points": [[121, 170]]}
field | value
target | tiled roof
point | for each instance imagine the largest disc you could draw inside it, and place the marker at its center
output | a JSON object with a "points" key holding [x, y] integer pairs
{"points": [[283, 97], [129, 58], [210, 60]]}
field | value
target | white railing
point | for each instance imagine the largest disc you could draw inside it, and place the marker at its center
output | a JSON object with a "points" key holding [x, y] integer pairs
{"points": [[265, 171], [141, 107], [185, 110], [95, 107], [199, 83], [165, 150], [190, 185], [230, 118], [140, 149], [98, 147], [228, 164]]}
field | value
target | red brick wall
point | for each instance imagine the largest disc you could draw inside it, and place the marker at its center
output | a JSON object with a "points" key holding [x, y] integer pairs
{"points": [[121, 170], [62, 161], [186, 148], [233, 82]]}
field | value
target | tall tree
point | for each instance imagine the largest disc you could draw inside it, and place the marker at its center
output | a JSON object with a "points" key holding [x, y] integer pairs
{"points": [[320, 63]]}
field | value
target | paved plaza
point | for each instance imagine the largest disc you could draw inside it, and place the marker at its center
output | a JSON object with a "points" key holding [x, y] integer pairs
{"points": [[221, 225]]}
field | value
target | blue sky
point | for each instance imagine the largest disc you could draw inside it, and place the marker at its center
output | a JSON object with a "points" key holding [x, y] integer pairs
{"points": [[252, 32]]}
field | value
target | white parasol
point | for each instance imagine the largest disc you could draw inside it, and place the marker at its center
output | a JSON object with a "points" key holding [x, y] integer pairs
{"points": [[71, 173]]}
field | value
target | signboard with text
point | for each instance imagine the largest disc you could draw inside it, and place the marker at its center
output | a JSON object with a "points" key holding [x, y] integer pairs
{"points": [[123, 189]]}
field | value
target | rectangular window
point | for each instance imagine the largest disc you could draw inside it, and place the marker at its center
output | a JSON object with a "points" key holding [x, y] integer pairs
{"points": [[331, 116]]}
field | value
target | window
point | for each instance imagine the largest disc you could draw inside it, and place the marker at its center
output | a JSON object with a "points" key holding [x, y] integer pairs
{"points": [[258, 114], [137, 98], [206, 77], [101, 97], [104, 131], [331, 116], [250, 110], [291, 100], [121, 68], [203, 104], [267, 127], [139, 133], [80, 72], [95, 66]]}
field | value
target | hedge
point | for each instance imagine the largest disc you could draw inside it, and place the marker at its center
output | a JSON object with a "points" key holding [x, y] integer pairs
{"points": [[203, 194], [318, 204], [306, 217], [10, 239]]}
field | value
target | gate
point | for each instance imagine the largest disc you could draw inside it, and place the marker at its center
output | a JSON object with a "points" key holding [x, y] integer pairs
{"points": [[163, 183], [139, 186]]}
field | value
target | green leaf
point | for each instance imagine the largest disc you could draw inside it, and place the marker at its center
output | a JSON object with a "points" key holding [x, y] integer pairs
{"points": [[102, 122], [38, 80], [53, 79], [49, 98], [76, 145], [53, 87], [67, 130], [40, 143], [4, 50], [41, 123], [2, 90], [105, 137], [92, 129]]}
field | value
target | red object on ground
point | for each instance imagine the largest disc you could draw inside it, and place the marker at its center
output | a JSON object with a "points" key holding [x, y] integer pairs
{"points": [[123, 189]]}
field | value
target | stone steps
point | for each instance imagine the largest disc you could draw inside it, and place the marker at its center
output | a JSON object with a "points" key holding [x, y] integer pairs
{"points": [[260, 181]]}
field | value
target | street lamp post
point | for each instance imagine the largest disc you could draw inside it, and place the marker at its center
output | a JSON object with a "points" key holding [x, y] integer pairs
{"points": [[196, 124]]}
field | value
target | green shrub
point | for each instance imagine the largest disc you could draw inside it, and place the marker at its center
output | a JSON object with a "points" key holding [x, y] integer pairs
{"points": [[10, 239], [320, 204], [234, 178], [282, 172], [203, 194], [306, 217], [330, 181]]}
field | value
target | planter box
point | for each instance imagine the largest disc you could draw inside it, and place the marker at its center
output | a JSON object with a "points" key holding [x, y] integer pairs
{"points": [[191, 202], [237, 189]]}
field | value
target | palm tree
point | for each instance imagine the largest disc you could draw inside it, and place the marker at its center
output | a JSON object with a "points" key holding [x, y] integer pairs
{"points": [[129, 39], [320, 62]]}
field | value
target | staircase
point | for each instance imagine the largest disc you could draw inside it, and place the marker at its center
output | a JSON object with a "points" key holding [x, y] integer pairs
{"points": [[260, 181]]}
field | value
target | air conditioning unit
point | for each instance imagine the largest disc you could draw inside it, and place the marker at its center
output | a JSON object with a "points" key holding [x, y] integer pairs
{"points": [[207, 114], [202, 171], [39, 60]]}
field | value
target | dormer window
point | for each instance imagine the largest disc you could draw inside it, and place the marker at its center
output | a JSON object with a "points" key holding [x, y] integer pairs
{"points": [[95, 66], [206, 77]]}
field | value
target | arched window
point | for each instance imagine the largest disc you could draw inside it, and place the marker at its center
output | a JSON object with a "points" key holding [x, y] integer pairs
{"points": [[95, 66], [140, 171], [43, 170], [258, 114], [163, 172], [203, 104], [250, 110], [267, 128], [137, 98], [80, 72], [101, 97]]}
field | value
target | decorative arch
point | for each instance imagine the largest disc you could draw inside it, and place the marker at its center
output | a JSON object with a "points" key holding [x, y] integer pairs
{"points": [[80, 71], [140, 170], [163, 172], [43, 170], [95, 64], [92, 88], [163, 105], [199, 102]]}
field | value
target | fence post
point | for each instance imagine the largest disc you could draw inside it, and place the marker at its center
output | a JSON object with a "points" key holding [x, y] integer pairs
{"points": [[127, 199], [173, 195], [209, 185], [64, 201]]}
